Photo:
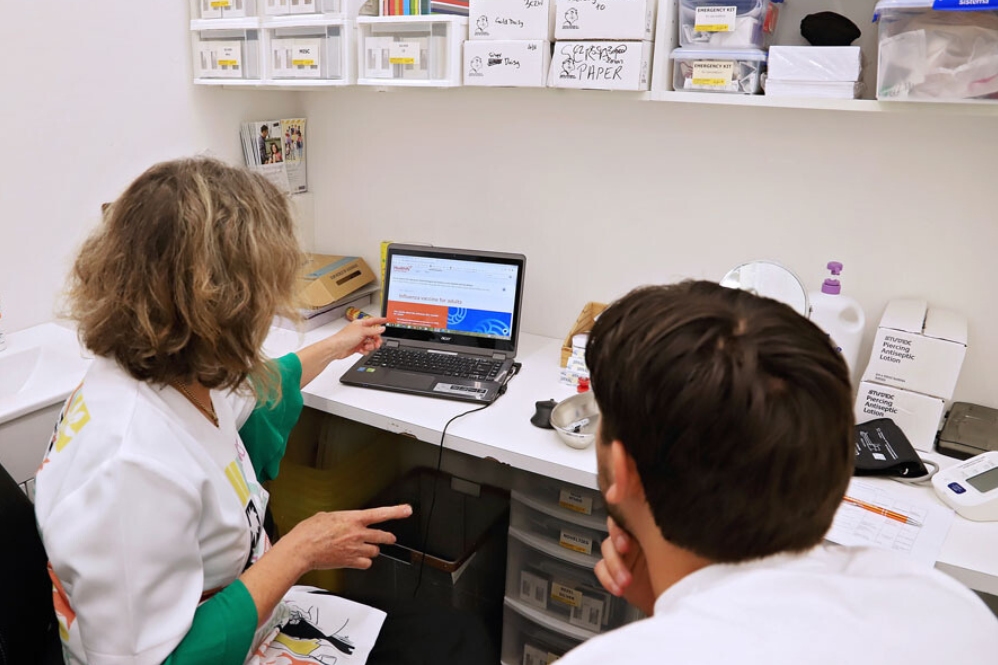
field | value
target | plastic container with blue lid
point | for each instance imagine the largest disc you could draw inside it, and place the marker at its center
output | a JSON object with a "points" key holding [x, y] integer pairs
{"points": [[942, 50], [737, 71]]}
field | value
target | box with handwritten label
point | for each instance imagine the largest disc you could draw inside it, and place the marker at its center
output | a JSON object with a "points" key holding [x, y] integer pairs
{"points": [[603, 65], [507, 63], [605, 19], [511, 19]]}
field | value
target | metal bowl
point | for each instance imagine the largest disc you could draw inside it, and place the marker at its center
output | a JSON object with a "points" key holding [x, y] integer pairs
{"points": [[576, 419]]}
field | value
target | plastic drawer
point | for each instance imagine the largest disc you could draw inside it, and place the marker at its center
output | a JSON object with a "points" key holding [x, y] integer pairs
{"points": [[526, 642], [228, 53], [410, 50], [571, 537], [222, 9], [565, 590], [570, 502], [310, 52]]}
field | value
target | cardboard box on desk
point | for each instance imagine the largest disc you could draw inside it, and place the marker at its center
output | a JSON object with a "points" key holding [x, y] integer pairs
{"points": [[327, 279], [583, 324], [917, 415], [502, 19], [605, 19], [507, 63], [919, 349], [601, 65]]}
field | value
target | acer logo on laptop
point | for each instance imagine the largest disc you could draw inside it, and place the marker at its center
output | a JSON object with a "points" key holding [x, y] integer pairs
{"points": [[445, 338]]}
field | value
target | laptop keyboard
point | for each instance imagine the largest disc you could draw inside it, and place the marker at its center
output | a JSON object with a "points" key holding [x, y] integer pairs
{"points": [[480, 369]]}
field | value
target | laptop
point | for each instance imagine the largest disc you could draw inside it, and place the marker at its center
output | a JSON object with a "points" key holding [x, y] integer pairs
{"points": [[453, 323]]}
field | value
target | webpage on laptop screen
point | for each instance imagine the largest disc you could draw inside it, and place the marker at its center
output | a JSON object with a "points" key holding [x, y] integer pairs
{"points": [[448, 295]]}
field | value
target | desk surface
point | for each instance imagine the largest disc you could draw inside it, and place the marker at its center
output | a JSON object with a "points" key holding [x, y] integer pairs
{"points": [[503, 432]]}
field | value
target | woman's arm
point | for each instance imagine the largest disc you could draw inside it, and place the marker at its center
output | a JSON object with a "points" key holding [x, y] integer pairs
{"points": [[360, 336]]}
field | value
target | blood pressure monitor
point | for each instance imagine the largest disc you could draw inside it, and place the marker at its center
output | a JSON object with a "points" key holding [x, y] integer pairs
{"points": [[971, 488]]}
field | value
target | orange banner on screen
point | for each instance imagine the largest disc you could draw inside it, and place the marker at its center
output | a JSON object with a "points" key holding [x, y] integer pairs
{"points": [[416, 314]]}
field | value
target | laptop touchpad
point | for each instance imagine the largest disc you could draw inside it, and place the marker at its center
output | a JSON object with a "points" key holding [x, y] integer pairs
{"points": [[411, 380]]}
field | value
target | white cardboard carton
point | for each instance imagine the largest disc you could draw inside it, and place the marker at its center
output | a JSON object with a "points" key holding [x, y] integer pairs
{"points": [[918, 349], [601, 65], [917, 415], [507, 63], [605, 19], [832, 64], [511, 19]]}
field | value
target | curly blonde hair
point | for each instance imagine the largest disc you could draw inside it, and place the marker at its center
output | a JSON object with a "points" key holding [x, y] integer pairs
{"points": [[184, 275]]}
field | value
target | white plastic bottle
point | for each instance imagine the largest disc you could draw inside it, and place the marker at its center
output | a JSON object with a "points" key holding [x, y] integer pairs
{"points": [[840, 316]]}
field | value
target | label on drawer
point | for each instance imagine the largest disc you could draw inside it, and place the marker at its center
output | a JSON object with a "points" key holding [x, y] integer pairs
{"points": [[306, 53], [228, 56], [576, 501], [535, 656], [575, 542], [588, 614], [533, 589], [566, 595], [711, 75], [715, 19], [220, 4], [404, 52]]}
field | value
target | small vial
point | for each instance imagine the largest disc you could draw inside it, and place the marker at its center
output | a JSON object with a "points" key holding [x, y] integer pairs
{"points": [[583, 385]]}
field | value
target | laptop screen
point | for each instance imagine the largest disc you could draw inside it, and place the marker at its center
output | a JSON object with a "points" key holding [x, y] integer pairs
{"points": [[450, 296]]}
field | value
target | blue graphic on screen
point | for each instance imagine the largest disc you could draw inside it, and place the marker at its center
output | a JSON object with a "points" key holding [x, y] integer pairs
{"points": [[479, 321]]}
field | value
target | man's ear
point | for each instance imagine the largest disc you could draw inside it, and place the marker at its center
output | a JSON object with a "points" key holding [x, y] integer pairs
{"points": [[625, 484]]}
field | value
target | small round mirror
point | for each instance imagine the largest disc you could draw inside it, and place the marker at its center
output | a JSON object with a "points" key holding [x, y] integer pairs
{"points": [[772, 280]]}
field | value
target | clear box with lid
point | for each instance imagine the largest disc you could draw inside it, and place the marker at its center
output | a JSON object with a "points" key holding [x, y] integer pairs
{"points": [[319, 52], [936, 51], [723, 24], [730, 71], [222, 9], [410, 50], [232, 52]]}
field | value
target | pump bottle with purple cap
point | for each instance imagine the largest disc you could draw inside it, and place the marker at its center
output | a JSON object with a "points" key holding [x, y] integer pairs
{"points": [[840, 316]]}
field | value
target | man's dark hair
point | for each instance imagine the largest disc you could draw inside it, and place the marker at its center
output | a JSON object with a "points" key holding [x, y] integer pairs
{"points": [[737, 411], [264, 128]]}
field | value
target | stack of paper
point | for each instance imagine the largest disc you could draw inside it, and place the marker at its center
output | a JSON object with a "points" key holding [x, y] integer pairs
{"points": [[313, 318]]}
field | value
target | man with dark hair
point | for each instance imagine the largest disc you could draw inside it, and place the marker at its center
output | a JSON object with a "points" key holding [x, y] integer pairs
{"points": [[262, 144], [725, 448]]}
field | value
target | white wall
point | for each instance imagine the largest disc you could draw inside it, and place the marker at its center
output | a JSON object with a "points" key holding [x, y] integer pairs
{"points": [[603, 193], [101, 91]]}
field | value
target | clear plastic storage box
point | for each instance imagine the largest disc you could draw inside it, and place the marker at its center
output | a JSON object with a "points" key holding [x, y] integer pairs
{"points": [[931, 54], [230, 53], [569, 536], [321, 52], [564, 499], [216, 9], [722, 24], [285, 7], [731, 71], [410, 50], [564, 590], [525, 642]]}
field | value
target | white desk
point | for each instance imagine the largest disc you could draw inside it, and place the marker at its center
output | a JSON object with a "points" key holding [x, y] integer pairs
{"points": [[503, 432]]}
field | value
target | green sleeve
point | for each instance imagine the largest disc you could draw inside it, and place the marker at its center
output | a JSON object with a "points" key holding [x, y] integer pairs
{"points": [[222, 632], [265, 433]]}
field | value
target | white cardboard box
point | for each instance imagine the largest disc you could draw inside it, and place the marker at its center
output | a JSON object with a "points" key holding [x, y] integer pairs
{"points": [[917, 415], [605, 19], [833, 64], [507, 63], [918, 348], [506, 19], [601, 65]]}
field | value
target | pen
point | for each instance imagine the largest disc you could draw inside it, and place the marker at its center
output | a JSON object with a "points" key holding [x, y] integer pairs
{"points": [[890, 514]]}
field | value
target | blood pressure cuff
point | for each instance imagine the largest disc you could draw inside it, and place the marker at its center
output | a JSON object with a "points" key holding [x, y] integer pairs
{"points": [[882, 449]]}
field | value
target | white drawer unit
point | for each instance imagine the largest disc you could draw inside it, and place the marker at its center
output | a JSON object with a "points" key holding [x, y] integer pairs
{"points": [[580, 536]]}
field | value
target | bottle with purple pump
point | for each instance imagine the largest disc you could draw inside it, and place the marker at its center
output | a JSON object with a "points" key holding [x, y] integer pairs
{"points": [[840, 316]]}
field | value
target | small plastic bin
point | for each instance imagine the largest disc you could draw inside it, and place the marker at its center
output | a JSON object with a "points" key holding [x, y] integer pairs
{"points": [[217, 9], [734, 71], [294, 7], [560, 589], [569, 536], [464, 559], [229, 53], [410, 50], [723, 24], [929, 54], [312, 52], [565, 500], [525, 642]]}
